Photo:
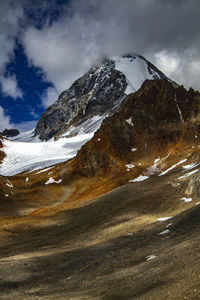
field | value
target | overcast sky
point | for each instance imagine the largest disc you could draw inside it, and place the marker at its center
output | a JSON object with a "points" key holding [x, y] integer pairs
{"points": [[46, 45]]}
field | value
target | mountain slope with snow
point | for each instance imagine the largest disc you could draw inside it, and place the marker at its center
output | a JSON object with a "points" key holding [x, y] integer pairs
{"points": [[136, 70], [98, 92], [77, 114], [27, 153], [30, 156]]}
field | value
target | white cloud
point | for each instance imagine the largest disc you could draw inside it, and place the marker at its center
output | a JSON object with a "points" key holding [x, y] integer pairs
{"points": [[6, 49], [34, 114], [60, 57], [168, 62], [9, 87], [4, 120], [184, 67], [25, 126], [67, 48], [10, 14], [49, 96]]}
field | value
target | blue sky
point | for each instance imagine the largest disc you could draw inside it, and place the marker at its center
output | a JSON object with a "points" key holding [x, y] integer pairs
{"points": [[21, 97], [46, 45], [30, 82]]}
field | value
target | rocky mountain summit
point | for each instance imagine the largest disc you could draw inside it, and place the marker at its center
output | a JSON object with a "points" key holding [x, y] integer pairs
{"points": [[97, 93], [10, 132]]}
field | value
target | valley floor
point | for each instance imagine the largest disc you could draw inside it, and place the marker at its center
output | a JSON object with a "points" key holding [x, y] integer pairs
{"points": [[113, 248]]}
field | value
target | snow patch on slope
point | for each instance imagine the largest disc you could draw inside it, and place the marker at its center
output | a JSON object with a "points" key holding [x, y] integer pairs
{"points": [[188, 174], [186, 199], [88, 126], [190, 166], [52, 180], [30, 156], [28, 153], [135, 69], [129, 121], [139, 178], [164, 232], [150, 257], [163, 219], [173, 167]]}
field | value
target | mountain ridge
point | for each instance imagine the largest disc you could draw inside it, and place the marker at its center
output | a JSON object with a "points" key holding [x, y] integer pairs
{"points": [[97, 93]]}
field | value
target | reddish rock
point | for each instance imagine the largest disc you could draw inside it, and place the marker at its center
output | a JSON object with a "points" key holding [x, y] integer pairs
{"points": [[151, 120], [2, 153]]}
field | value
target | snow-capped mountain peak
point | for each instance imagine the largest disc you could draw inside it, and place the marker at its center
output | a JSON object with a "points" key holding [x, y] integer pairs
{"points": [[97, 93], [136, 70]]}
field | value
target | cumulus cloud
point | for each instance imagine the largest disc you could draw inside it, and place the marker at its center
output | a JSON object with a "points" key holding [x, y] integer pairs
{"points": [[49, 96], [61, 58], [9, 87], [4, 120], [10, 14], [34, 114], [162, 31], [183, 67], [25, 126]]}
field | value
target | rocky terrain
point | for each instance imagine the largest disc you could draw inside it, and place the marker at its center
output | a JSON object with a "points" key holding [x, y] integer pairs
{"points": [[120, 219], [98, 92], [132, 243], [10, 132]]}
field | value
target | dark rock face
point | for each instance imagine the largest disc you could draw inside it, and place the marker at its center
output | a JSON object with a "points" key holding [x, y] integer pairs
{"points": [[150, 120], [98, 92], [95, 93], [10, 132]]}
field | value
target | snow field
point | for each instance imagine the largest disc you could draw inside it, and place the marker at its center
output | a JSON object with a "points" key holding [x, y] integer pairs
{"points": [[30, 156], [135, 69]]}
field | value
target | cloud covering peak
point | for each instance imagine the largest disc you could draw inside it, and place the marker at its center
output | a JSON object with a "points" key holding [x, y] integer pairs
{"points": [[162, 31]]}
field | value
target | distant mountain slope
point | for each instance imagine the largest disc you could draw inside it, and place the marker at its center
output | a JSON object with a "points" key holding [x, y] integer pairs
{"points": [[96, 93], [10, 132]]}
